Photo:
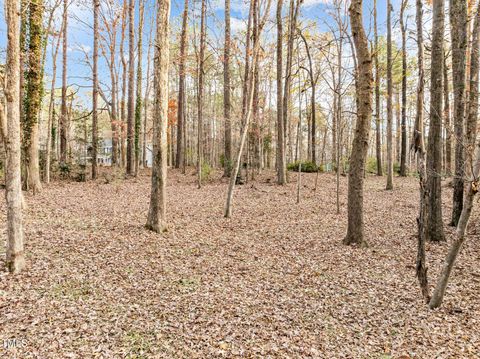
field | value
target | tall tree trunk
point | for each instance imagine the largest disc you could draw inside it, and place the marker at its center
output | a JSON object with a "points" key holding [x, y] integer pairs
{"points": [[248, 113], [157, 221], [138, 99], [15, 256], [96, 9], [472, 108], [403, 156], [364, 76], [389, 100], [181, 116], [201, 69], [64, 110], [287, 92], [131, 90], [378, 129], [34, 90], [227, 106], [51, 111], [441, 287], [419, 148], [458, 25], [281, 160], [446, 114], [434, 223]]}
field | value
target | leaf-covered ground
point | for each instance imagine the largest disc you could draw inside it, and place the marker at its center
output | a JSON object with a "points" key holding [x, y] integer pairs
{"points": [[273, 281]]}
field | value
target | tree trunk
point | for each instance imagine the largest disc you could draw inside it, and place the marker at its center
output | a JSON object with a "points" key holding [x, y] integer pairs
{"points": [[403, 156], [34, 90], [15, 256], [364, 76], [472, 108], [440, 288], [419, 148], [138, 99], [64, 111], [249, 102], [131, 90], [378, 129], [458, 25], [181, 116], [157, 212], [446, 114], [201, 69], [96, 9], [51, 111], [389, 100], [434, 223], [281, 160]]}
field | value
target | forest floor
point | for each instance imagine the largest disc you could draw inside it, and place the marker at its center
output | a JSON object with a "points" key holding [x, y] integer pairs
{"points": [[273, 281]]}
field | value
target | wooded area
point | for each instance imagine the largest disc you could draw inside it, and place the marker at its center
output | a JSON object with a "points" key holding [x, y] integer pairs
{"points": [[240, 178]]}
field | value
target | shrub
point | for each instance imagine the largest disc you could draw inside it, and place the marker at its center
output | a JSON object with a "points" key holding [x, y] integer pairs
{"points": [[371, 165], [206, 171], [307, 166]]}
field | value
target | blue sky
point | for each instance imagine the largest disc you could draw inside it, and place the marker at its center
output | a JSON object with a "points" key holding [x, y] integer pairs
{"points": [[81, 39]]}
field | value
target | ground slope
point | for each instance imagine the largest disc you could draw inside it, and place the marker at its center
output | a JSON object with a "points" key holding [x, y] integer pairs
{"points": [[273, 281]]}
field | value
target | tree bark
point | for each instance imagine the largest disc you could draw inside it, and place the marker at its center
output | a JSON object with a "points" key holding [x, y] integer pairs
{"points": [[364, 77], [403, 156], [446, 114], [15, 256], [181, 116], [51, 110], [96, 9], [248, 113], [472, 108], [131, 90], [138, 99], [201, 70], [281, 160], [64, 110], [458, 25], [434, 222], [441, 287], [227, 106], [419, 148], [378, 129], [389, 100], [157, 221]]}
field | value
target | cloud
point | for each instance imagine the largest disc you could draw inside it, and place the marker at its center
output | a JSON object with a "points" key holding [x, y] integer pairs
{"points": [[240, 6], [238, 25]]}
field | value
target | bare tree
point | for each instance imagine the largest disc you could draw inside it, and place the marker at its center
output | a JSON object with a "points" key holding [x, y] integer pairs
{"points": [[281, 160], [378, 129], [403, 27], [157, 212], [33, 94], [96, 8], [138, 95], [51, 107], [248, 113], [419, 148], [15, 256], [473, 182], [389, 99], [64, 109], [201, 79], [131, 90], [458, 26], [227, 105], [434, 226], [181, 115], [364, 77]]}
